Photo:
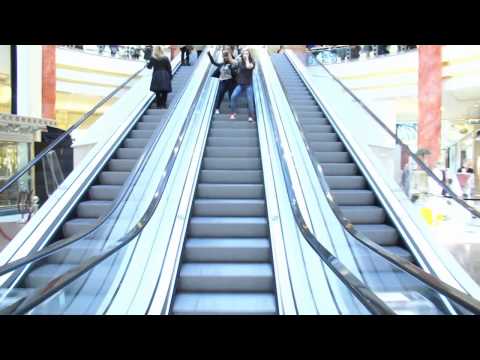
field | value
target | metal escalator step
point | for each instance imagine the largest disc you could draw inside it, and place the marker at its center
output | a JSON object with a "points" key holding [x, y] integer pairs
{"points": [[353, 197], [93, 208], [140, 134], [42, 275], [309, 115], [226, 277], [345, 169], [232, 124], [227, 250], [224, 304], [313, 121], [104, 192], [369, 261], [77, 226], [232, 152], [232, 141], [113, 177], [364, 214], [217, 163], [303, 102], [346, 182], [394, 281], [321, 136], [246, 227], [154, 114], [77, 252], [318, 129], [234, 133], [230, 191], [135, 143], [231, 176], [229, 207], [382, 234], [121, 164], [334, 157], [129, 153], [330, 146], [147, 126]]}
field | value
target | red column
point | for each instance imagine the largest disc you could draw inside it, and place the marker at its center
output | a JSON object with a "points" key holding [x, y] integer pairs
{"points": [[430, 100], [49, 81]]}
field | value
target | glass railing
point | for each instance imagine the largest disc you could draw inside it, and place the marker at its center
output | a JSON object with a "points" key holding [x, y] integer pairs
{"points": [[337, 54], [91, 261], [125, 52], [425, 204]]}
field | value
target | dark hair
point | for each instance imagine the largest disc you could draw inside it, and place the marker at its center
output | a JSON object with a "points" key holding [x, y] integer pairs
{"points": [[250, 58]]}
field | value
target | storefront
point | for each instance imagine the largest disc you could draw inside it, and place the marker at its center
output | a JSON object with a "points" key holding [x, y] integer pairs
{"points": [[18, 135]]}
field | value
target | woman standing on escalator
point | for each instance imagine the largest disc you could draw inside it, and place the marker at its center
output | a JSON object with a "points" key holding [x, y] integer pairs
{"points": [[162, 76], [225, 73], [244, 66]]}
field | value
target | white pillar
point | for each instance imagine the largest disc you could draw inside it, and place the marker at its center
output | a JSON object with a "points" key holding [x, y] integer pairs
{"points": [[29, 80]]}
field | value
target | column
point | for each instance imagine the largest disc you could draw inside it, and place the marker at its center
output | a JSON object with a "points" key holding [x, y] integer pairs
{"points": [[49, 81], [430, 100], [29, 80]]}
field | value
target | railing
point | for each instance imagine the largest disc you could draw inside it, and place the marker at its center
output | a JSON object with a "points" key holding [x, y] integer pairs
{"points": [[26, 177], [135, 52], [59, 283], [347, 53], [431, 282]]}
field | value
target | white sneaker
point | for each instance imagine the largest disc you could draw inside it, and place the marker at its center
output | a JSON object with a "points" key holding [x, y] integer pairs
{"points": [[233, 116], [250, 119], [217, 112]]}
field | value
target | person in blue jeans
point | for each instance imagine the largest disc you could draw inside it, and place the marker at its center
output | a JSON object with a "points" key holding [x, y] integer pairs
{"points": [[244, 66]]}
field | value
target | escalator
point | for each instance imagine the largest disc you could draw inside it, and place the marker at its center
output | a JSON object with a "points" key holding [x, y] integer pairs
{"points": [[99, 198], [226, 265], [349, 187]]}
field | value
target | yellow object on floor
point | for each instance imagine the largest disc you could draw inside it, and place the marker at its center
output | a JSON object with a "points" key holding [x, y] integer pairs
{"points": [[427, 214]]}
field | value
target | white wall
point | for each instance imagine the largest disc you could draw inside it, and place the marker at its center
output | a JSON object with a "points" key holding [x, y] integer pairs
{"points": [[29, 80]]}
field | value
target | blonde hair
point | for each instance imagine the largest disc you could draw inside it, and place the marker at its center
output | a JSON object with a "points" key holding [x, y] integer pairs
{"points": [[158, 52]]}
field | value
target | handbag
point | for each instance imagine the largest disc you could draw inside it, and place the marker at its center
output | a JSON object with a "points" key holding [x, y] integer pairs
{"points": [[216, 73]]}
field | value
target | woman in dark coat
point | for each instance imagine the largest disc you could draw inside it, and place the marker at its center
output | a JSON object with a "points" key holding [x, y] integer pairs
{"points": [[162, 76]]}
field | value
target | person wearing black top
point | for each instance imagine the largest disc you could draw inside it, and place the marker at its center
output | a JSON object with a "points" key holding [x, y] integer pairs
{"points": [[162, 76], [244, 67], [225, 73], [186, 49]]}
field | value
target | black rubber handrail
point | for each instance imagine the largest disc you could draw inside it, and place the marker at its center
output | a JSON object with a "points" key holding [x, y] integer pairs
{"points": [[424, 166], [59, 139], [364, 294], [131, 181], [429, 280], [55, 285]]}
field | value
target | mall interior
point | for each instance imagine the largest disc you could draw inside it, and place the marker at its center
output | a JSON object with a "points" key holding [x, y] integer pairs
{"points": [[328, 180]]}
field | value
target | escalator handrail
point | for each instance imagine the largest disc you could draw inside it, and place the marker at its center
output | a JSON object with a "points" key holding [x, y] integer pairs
{"points": [[131, 180], [55, 285], [449, 291], [363, 293], [13, 179], [415, 157]]}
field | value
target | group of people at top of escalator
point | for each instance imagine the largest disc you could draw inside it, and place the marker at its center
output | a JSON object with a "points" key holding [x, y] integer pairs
{"points": [[235, 75], [234, 71]]}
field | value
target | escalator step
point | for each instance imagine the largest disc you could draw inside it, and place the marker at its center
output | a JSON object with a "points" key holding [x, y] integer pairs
{"points": [[224, 304], [227, 250], [229, 207]]}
